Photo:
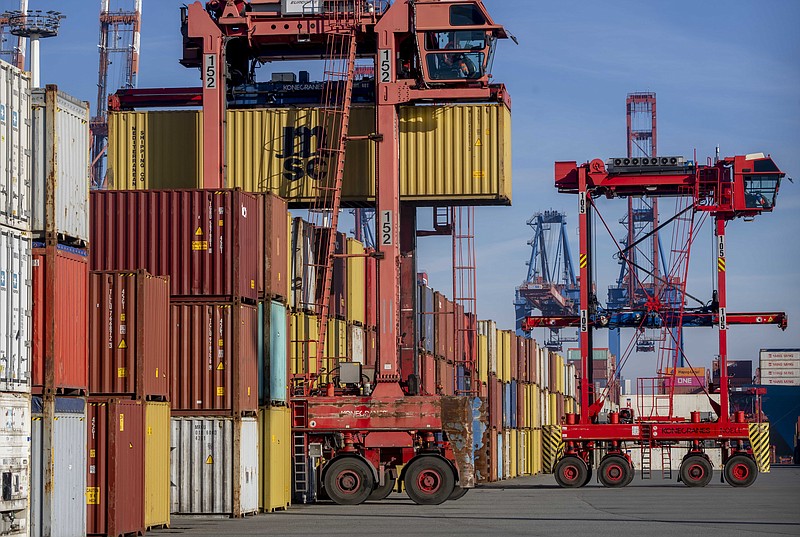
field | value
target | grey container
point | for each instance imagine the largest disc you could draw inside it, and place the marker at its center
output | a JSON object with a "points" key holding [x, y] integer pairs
{"points": [[60, 165], [210, 458], [15, 142], [58, 467], [15, 456], [15, 310]]}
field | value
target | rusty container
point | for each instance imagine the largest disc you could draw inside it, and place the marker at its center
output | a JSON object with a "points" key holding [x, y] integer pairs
{"points": [[428, 374], [495, 402], [129, 334], [201, 239], [214, 354], [60, 319], [115, 467], [273, 252]]}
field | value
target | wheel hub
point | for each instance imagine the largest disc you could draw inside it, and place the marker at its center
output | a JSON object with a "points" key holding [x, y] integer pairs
{"points": [[348, 482], [696, 472], [429, 481], [740, 471]]}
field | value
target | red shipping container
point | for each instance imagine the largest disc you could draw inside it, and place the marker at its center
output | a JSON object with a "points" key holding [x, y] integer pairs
{"points": [[115, 467], [439, 324], [450, 330], [450, 378], [273, 255], [129, 334], [201, 239], [428, 374], [514, 357], [522, 359], [495, 402], [60, 319], [409, 348], [214, 350]]}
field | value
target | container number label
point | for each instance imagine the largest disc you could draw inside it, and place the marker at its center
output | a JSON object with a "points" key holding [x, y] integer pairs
{"points": [[387, 229], [385, 64], [584, 320], [210, 71]]}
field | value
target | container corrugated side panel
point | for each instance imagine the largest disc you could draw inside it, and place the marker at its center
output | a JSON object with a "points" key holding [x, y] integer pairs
{"points": [[461, 152], [356, 286], [249, 481], [278, 345], [158, 149], [63, 513], [275, 459], [68, 336], [15, 310], [15, 169], [201, 239], [156, 464], [60, 164], [276, 256]]}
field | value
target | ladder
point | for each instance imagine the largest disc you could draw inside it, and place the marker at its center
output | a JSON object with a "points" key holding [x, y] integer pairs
{"points": [[300, 453], [666, 461], [647, 450], [465, 295]]}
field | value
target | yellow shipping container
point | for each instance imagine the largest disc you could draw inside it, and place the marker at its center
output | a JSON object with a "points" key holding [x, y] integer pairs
{"points": [[303, 333], [507, 372], [536, 451], [512, 461], [453, 153], [553, 409], [156, 464], [483, 358], [356, 283], [275, 458], [335, 346]]}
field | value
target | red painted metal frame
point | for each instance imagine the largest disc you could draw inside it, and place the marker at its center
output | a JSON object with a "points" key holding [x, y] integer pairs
{"points": [[663, 432], [778, 318]]}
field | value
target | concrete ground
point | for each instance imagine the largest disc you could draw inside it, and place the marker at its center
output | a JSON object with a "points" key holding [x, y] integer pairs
{"points": [[537, 506]]}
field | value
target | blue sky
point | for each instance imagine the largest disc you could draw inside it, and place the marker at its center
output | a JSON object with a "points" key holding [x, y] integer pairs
{"points": [[725, 72]]}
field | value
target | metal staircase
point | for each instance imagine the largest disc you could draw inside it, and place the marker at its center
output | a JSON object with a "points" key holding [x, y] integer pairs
{"points": [[666, 461], [647, 450]]}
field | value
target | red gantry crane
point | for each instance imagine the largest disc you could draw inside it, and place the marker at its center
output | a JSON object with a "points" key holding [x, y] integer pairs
{"points": [[424, 51], [729, 188]]}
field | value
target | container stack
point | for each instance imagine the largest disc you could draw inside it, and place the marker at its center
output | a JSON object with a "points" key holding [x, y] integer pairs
{"points": [[201, 241]]}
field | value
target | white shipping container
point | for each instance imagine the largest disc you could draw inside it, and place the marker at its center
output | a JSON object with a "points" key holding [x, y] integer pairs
{"points": [[15, 143], [202, 474], [15, 310], [356, 341], [60, 164], [304, 272], [15, 456], [489, 329], [58, 467]]}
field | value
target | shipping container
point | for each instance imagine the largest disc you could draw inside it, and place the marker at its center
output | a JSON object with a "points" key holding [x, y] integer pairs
{"points": [[356, 344], [15, 150], [214, 349], [483, 358], [201, 239], [275, 458], [337, 305], [15, 309], [356, 286], [58, 467], [60, 166], [303, 338], [15, 455], [214, 465], [60, 318], [304, 267], [129, 334], [447, 153], [115, 467], [273, 327], [273, 279], [157, 428], [428, 371]]}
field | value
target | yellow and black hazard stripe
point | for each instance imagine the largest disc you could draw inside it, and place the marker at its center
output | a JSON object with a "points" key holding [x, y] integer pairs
{"points": [[552, 447], [759, 441], [721, 264], [584, 260]]}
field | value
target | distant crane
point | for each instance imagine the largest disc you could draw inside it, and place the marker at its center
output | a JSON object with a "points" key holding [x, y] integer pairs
{"points": [[550, 285], [119, 38], [12, 48]]}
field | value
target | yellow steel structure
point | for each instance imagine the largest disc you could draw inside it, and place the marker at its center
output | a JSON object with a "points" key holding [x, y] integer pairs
{"points": [[275, 458], [156, 464], [447, 153]]}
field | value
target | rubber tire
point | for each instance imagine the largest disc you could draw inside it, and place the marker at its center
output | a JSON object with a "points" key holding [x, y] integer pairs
{"points": [[589, 473], [570, 472], [741, 471], [632, 474], [457, 493], [382, 492], [696, 471], [433, 472], [348, 481], [614, 471]]}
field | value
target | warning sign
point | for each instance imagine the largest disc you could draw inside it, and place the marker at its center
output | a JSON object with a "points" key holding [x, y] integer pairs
{"points": [[199, 245], [122, 372], [122, 345], [92, 495], [121, 422], [220, 391], [220, 367], [198, 231], [209, 460], [478, 143]]}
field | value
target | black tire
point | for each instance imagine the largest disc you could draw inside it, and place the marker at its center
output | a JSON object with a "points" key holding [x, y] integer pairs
{"points": [[429, 480], [570, 472], [588, 476], [457, 493], [696, 471], [741, 471], [631, 476], [349, 481], [614, 471], [382, 492]]}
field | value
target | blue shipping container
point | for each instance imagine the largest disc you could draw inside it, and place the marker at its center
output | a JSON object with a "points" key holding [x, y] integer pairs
{"points": [[461, 379], [506, 405], [499, 455], [513, 404], [278, 379]]}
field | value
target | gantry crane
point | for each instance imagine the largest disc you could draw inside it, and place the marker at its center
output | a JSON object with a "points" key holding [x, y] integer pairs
{"points": [[550, 285], [723, 190], [12, 48], [120, 37], [418, 48]]}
